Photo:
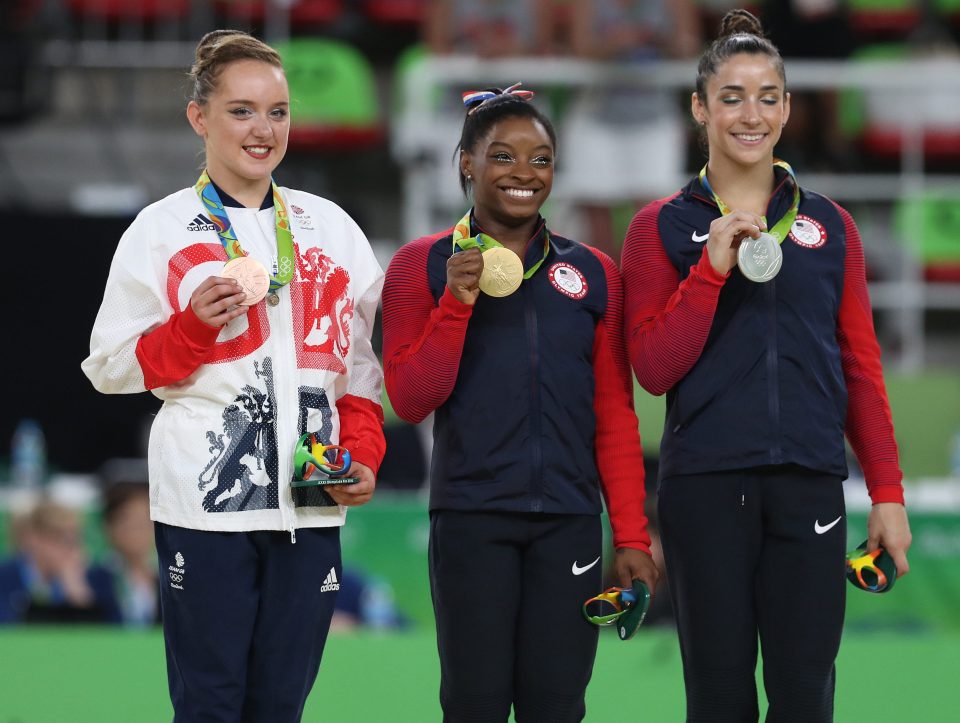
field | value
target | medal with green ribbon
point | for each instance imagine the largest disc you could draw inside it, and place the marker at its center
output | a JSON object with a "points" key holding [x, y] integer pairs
{"points": [[502, 269], [231, 244], [760, 259]]}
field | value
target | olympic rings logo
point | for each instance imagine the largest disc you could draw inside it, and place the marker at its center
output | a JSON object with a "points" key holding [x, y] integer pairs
{"points": [[176, 577]]}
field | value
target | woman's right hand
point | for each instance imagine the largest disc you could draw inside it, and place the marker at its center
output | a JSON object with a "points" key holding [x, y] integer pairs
{"points": [[726, 233], [463, 275], [215, 301]]}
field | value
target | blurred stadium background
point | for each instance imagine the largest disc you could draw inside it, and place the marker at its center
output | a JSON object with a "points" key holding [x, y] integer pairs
{"points": [[92, 94]]}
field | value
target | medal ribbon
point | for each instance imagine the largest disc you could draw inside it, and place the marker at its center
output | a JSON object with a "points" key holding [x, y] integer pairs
{"points": [[463, 240], [231, 244], [782, 228]]}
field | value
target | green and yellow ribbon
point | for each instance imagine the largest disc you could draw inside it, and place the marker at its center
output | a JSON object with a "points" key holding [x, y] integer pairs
{"points": [[231, 244], [782, 228]]}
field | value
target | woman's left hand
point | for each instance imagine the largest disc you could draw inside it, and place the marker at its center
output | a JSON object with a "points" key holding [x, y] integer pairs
{"points": [[887, 527], [358, 493], [630, 564]]}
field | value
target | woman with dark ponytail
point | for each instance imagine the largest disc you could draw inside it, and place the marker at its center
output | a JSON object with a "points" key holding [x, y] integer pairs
{"points": [[747, 305], [518, 352]]}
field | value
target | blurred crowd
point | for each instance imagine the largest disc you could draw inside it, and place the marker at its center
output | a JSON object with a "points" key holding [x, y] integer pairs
{"points": [[606, 132], [51, 578], [70, 561]]}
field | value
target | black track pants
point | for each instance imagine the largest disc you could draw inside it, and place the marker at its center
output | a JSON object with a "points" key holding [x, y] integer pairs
{"points": [[508, 609], [758, 552]]}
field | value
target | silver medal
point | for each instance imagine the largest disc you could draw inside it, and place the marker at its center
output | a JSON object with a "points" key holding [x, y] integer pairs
{"points": [[759, 259]]}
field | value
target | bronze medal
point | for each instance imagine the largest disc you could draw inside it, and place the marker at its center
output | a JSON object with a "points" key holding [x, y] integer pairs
{"points": [[252, 276]]}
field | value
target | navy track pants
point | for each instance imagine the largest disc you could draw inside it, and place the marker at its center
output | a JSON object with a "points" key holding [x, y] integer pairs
{"points": [[245, 620]]}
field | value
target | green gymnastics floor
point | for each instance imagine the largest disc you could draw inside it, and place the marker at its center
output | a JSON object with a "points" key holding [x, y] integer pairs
{"points": [[104, 676]]}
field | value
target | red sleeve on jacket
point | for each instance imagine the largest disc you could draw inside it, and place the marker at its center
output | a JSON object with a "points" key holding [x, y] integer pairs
{"points": [[175, 349], [361, 430], [666, 321], [869, 422], [422, 341], [617, 446]]}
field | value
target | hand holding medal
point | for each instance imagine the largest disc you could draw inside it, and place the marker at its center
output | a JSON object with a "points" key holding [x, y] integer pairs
{"points": [[728, 234], [218, 300], [251, 275], [499, 272], [463, 275], [759, 256]]}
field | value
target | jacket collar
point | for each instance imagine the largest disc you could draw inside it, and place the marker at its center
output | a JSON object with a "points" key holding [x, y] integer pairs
{"points": [[779, 202]]}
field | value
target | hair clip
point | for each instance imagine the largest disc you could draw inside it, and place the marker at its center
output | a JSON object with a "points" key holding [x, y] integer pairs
{"points": [[477, 98]]}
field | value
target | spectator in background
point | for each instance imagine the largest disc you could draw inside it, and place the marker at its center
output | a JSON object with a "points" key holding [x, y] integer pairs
{"points": [[51, 580], [480, 29], [366, 602], [624, 141], [133, 559], [488, 28], [363, 601], [812, 30]]}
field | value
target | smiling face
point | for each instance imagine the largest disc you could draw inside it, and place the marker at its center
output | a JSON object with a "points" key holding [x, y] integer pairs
{"points": [[245, 124], [512, 171], [744, 110]]}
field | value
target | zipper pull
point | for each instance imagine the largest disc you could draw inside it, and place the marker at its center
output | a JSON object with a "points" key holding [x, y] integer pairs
{"points": [[293, 535]]}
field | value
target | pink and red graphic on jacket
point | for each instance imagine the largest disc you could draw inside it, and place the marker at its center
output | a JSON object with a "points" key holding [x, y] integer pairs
{"points": [[320, 292], [258, 328], [322, 308]]}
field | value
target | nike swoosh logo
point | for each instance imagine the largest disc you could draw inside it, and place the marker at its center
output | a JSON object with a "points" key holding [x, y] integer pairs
{"points": [[580, 570], [699, 239], [820, 529]]}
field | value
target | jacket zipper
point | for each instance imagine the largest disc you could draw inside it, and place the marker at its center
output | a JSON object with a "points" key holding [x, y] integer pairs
{"points": [[284, 454], [536, 466], [773, 371]]}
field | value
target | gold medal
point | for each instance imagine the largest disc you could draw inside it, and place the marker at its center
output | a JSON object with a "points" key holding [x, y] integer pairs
{"points": [[253, 278], [502, 272]]}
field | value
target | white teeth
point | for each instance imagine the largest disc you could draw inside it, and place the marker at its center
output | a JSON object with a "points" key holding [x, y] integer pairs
{"points": [[749, 137], [519, 192], [257, 149]]}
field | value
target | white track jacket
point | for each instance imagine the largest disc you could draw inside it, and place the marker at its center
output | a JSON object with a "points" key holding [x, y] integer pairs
{"points": [[236, 399]]}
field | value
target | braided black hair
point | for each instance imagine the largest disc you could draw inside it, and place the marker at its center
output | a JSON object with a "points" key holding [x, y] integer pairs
{"points": [[484, 114]]}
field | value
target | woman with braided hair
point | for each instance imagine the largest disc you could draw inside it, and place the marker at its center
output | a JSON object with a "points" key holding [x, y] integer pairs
{"points": [[518, 352]]}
